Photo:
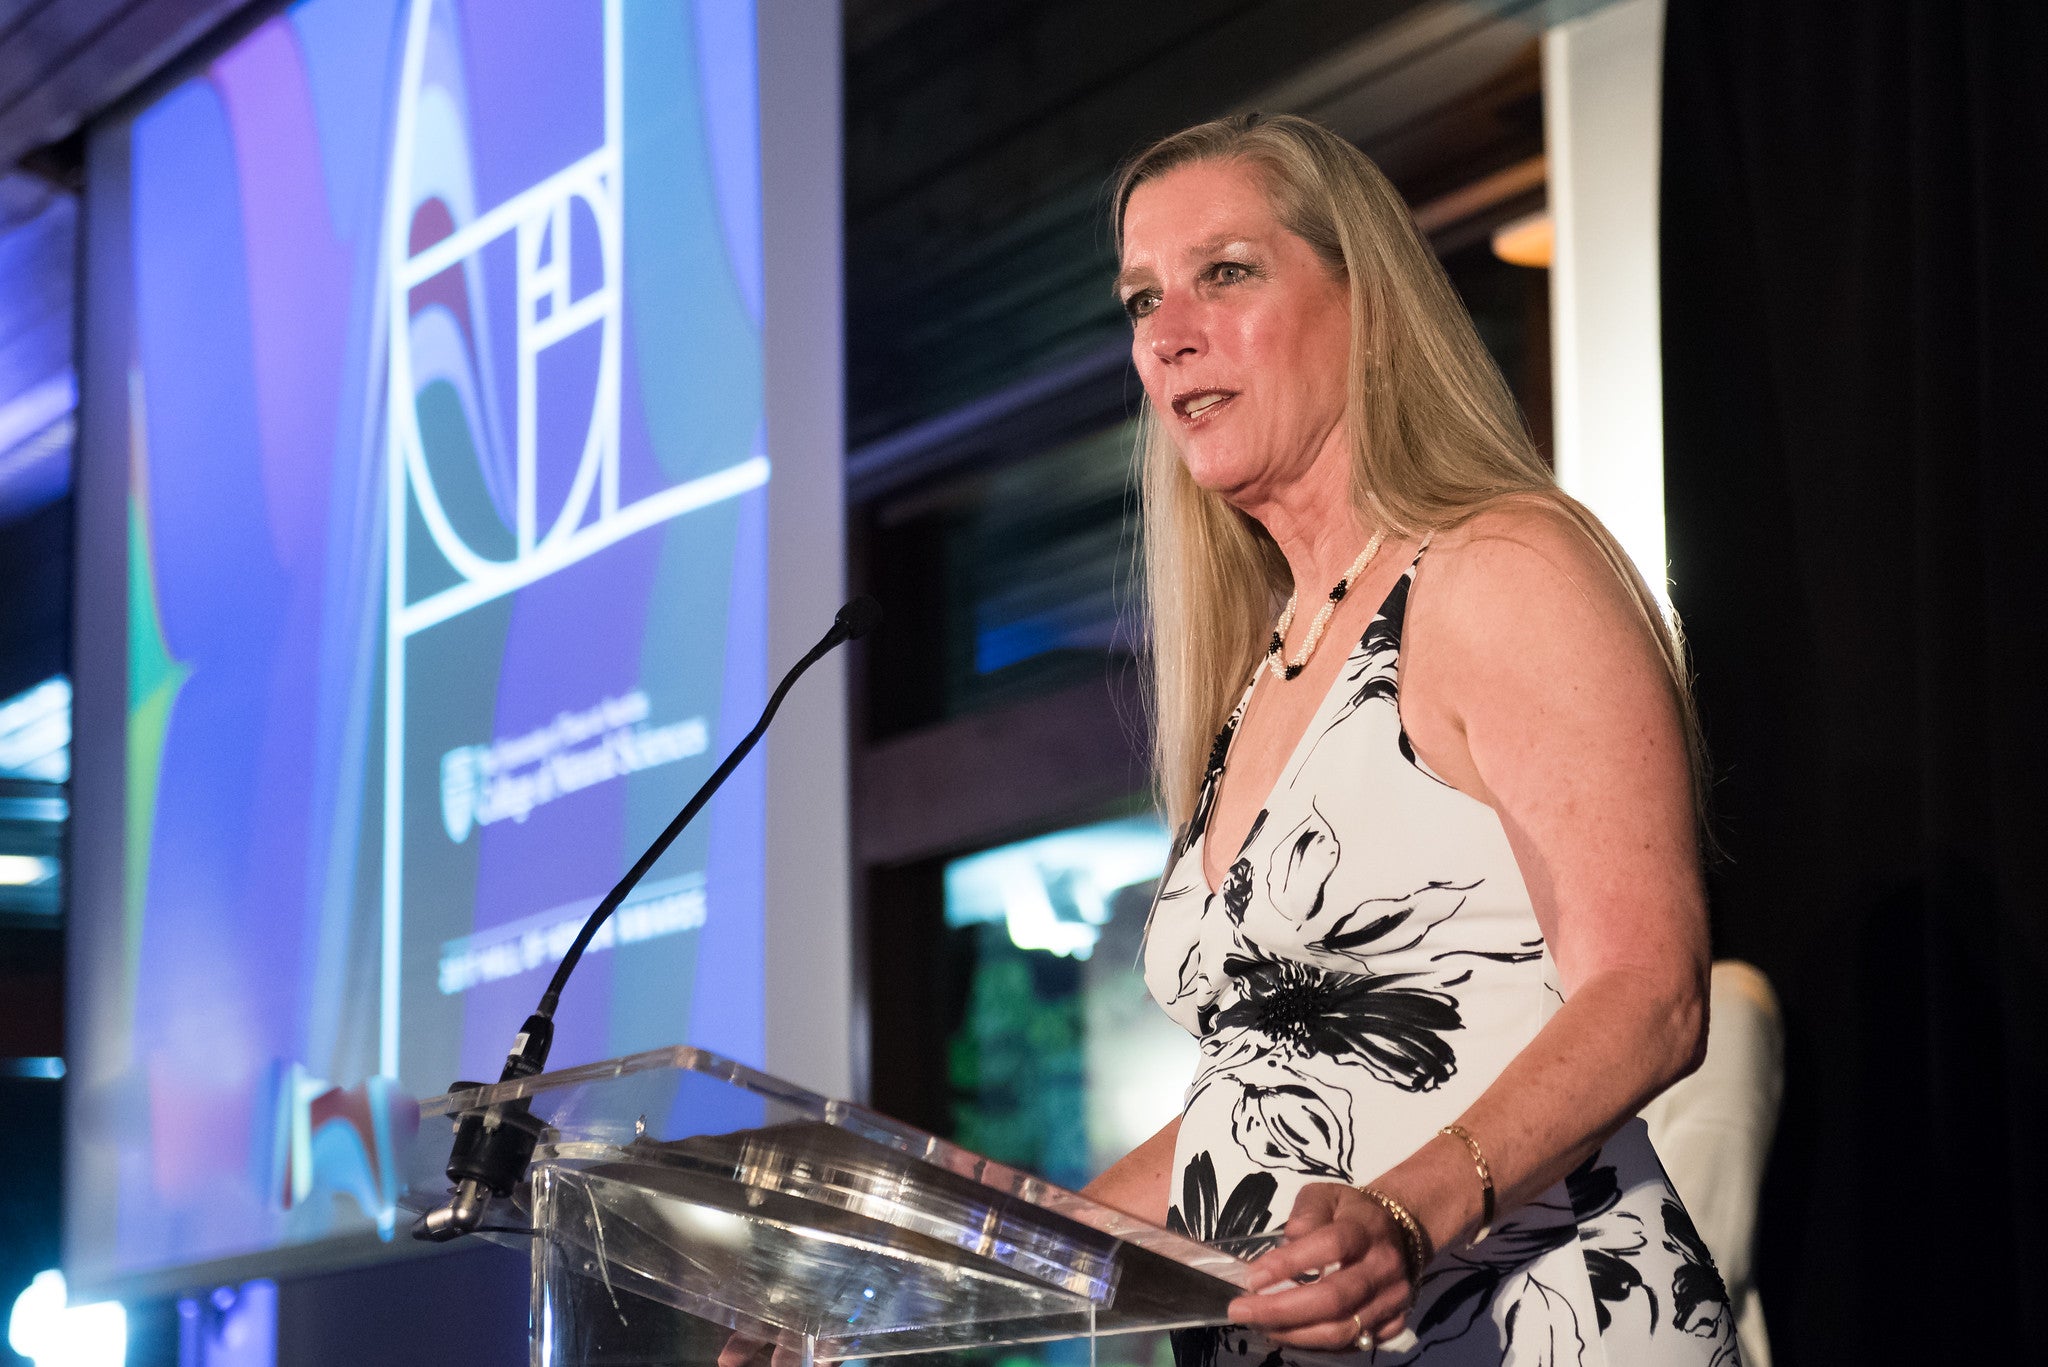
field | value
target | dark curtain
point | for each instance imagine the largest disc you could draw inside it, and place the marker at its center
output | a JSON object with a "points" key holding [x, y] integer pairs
{"points": [[1855, 296]]}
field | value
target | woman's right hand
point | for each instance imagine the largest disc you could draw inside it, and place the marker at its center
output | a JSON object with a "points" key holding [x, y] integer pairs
{"points": [[1339, 1280]]}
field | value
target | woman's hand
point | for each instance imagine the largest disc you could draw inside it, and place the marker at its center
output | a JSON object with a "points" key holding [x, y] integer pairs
{"points": [[1341, 1274], [741, 1351]]}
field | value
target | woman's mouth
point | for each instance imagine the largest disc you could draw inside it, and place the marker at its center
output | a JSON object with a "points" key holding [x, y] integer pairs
{"points": [[1198, 405]]}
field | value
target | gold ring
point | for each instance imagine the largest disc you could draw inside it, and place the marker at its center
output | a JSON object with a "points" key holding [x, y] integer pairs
{"points": [[1363, 1342]]}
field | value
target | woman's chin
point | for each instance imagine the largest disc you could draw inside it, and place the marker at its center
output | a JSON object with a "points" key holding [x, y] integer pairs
{"points": [[1222, 473]]}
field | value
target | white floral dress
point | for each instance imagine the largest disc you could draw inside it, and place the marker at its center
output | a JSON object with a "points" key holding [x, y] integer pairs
{"points": [[1370, 964]]}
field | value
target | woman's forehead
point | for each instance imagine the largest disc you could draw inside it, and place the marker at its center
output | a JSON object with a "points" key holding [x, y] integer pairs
{"points": [[1196, 209]]}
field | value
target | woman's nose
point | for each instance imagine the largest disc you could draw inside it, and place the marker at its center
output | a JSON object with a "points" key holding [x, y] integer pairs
{"points": [[1175, 333]]}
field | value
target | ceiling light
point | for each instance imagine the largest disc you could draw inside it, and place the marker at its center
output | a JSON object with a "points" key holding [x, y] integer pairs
{"points": [[1526, 241], [25, 870]]}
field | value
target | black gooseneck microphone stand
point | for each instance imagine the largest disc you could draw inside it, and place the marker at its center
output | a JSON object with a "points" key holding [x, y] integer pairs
{"points": [[493, 1147]]}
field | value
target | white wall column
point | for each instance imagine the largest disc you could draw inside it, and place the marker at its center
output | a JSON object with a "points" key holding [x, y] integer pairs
{"points": [[813, 1011], [1601, 89]]}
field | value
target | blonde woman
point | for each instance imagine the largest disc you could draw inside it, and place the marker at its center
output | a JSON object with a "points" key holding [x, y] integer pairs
{"points": [[1434, 911]]}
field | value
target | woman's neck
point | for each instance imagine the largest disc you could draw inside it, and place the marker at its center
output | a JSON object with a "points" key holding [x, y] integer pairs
{"points": [[1314, 523]]}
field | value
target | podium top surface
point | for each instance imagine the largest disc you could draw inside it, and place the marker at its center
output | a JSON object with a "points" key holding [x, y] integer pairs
{"points": [[737, 1185]]}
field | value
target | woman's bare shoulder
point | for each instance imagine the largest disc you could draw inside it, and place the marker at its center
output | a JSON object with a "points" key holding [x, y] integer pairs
{"points": [[1523, 555], [1539, 683]]}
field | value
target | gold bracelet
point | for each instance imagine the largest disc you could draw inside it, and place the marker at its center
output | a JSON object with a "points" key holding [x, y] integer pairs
{"points": [[1415, 1249], [1486, 1208]]}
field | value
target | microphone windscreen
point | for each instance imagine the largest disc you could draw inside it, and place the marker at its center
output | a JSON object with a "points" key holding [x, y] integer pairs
{"points": [[860, 617]]}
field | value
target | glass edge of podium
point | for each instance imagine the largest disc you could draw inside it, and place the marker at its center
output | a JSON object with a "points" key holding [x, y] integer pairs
{"points": [[831, 1195], [1215, 1259]]}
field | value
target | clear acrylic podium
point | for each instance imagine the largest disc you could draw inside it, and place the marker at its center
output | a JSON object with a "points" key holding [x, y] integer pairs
{"points": [[677, 1198]]}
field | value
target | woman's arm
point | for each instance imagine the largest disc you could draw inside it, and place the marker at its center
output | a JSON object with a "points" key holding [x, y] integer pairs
{"points": [[1530, 681], [1137, 1184]]}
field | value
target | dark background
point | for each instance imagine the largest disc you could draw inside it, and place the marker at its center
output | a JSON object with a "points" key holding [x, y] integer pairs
{"points": [[1853, 293]]}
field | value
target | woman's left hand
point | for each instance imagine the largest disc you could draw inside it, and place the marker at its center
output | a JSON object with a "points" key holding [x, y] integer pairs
{"points": [[1352, 1250]]}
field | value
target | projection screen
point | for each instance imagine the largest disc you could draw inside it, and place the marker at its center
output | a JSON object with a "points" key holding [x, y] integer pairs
{"points": [[460, 462]]}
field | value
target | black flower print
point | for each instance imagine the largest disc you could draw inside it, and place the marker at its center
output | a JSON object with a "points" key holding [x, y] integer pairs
{"points": [[1525, 952], [1388, 925], [1458, 1290], [1237, 891], [1461, 1293], [1205, 800], [1199, 1215], [1287, 1121], [1614, 1278], [1542, 1329], [1190, 978], [1397, 1032], [1301, 867], [1258, 824], [1592, 1189], [1379, 651], [1219, 748], [1372, 671], [1699, 1298], [1244, 1217], [1222, 1053], [1609, 1239], [1237, 883]]}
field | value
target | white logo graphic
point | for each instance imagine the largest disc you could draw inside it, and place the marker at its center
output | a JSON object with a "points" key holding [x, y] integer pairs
{"points": [[568, 287], [485, 784], [459, 783]]}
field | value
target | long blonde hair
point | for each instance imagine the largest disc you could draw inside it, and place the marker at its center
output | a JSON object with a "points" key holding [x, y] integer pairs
{"points": [[1435, 438]]}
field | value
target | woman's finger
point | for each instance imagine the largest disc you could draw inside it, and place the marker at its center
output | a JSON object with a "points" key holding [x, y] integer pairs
{"points": [[1333, 1335], [1383, 1317], [739, 1350], [1385, 1314], [1332, 1298], [1313, 1254], [1376, 1290]]}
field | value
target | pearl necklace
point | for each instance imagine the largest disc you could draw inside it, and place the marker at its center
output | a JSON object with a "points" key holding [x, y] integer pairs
{"points": [[1285, 670]]}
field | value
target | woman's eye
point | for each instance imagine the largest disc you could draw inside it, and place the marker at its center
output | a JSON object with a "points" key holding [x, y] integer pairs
{"points": [[1138, 305], [1230, 273]]}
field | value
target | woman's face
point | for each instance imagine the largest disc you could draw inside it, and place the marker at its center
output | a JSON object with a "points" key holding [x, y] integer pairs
{"points": [[1241, 334]]}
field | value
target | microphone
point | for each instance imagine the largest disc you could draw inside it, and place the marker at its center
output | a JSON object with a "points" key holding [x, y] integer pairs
{"points": [[492, 1148], [857, 618]]}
